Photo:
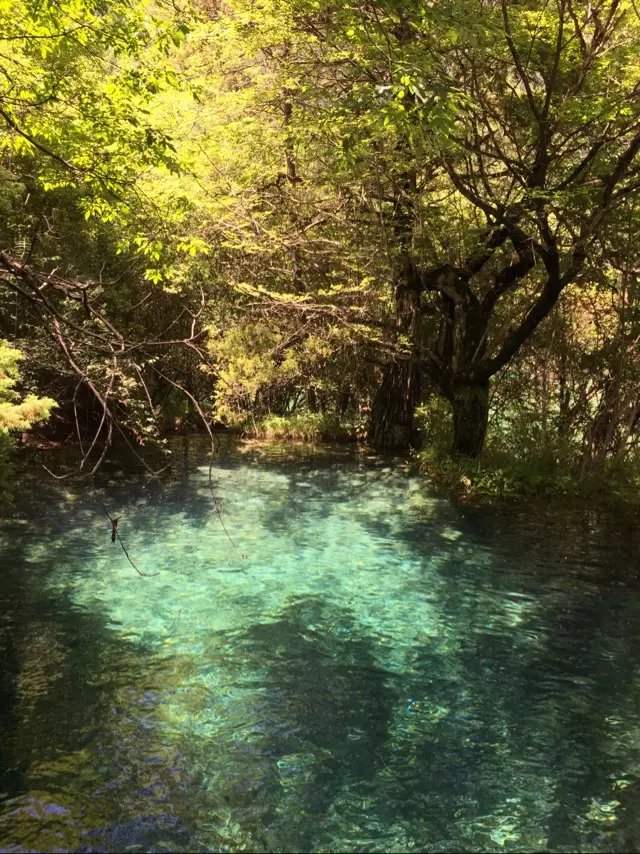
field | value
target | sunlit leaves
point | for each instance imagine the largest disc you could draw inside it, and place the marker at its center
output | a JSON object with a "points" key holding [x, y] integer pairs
{"points": [[17, 413], [76, 80]]}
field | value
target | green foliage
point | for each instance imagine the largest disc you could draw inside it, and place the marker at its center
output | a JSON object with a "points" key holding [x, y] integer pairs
{"points": [[498, 476], [525, 457], [16, 414], [266, 370], [352, 151], [266, 208], [301, 427], [435, 424], [77, 77], [75, 107], [540, 424], [85, 235]]}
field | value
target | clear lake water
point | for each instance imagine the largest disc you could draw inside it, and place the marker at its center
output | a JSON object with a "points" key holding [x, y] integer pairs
{"points": [[354, 664]]}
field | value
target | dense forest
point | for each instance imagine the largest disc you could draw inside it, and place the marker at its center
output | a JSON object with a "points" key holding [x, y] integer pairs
{"points": [[390, 248], [413, 223]]}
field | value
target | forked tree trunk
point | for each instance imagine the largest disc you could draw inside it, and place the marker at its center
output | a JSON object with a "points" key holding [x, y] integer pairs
{"points": [[470, 419], [392, 423]]}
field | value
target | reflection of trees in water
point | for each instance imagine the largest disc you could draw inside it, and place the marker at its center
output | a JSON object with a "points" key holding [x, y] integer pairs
{"points": [[471, 746], [511, 723], [80, 764], [318, 715], [492, 717], [496, 731]]}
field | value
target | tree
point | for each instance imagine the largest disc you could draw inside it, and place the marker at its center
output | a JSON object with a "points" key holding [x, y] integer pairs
{"points": [[372, 201], [492, 144], [83, 245], [289, 285]]}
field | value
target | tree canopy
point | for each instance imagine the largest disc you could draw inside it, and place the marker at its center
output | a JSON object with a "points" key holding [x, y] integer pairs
{"points": [[341, 211]]}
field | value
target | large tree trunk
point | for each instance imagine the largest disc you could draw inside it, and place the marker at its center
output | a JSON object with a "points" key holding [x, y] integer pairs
{"points": [[470, 418], [392, 425]]}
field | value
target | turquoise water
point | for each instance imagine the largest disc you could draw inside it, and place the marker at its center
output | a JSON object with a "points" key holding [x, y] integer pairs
{"points": [[365, 668]]}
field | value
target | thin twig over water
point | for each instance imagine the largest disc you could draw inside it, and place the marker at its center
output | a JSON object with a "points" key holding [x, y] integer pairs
{"points": [[115, 534]]}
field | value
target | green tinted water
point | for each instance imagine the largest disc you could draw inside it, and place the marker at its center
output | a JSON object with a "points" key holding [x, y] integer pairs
{"points": [[380, 671]]}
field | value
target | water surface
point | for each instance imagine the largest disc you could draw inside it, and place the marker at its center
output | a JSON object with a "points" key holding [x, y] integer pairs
{"points": [[364, 668]]}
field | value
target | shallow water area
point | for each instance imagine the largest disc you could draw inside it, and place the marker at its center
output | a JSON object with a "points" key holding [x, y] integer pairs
{"points": [[331, 657]]}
